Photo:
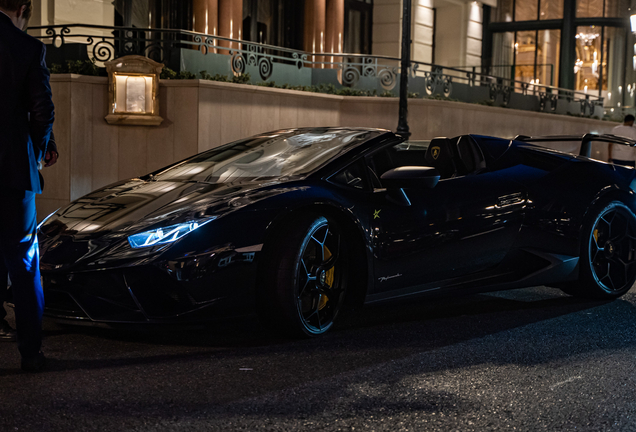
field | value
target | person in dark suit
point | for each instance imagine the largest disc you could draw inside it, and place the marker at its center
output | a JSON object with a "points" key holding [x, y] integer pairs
{"points": [[7, 333], [26, 120]]}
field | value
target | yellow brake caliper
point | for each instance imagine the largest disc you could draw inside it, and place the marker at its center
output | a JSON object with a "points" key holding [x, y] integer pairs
{"points": [[328, 280]]}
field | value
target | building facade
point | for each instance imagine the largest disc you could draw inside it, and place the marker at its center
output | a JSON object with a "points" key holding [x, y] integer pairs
{"points": [[505, 37], [583, 45]]}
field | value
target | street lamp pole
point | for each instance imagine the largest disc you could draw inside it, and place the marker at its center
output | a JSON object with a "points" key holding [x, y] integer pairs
{"points": [[405, 66]]}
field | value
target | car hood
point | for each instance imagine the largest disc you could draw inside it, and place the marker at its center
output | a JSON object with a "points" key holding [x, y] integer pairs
{"points": [[134, 205], [93, 230]]}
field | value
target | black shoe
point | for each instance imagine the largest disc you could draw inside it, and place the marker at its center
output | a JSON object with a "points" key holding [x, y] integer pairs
{"points": [[6, 332], [34, 364]]}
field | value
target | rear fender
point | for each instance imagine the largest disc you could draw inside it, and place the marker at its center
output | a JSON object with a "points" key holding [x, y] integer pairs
{"points": [[605, 196]]}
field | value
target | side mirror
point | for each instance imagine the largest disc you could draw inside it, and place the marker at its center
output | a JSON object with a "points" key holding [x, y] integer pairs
{"points": [[410, 177]]}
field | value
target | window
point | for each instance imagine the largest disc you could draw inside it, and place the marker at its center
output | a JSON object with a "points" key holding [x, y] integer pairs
{"points": [[600, 62], [587, 69], [547, 66], [167, 14], [617, 8], [602, 8], [274, 22], [358, 26], [533, 54], [614, 71], [530, 56], [503, 11], [525, 50], [528, 10], [589, 8], [551, 9], [503, 54], [258, 20]]}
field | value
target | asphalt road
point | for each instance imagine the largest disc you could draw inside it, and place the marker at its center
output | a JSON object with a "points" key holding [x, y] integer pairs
{"points": [[524, 360]]}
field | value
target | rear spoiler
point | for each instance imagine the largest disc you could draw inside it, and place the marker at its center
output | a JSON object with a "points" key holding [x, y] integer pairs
{"points": [[586, 140]]}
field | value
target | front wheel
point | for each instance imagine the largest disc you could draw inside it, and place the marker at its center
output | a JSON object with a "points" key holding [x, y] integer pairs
{"points": [[608, 252], [305, 277]]}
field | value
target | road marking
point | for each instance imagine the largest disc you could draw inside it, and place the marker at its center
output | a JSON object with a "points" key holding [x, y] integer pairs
{"points": [[569, 380]]}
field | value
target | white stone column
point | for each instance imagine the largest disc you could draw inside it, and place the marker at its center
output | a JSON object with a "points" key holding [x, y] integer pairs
{"points": [[387, 24], [474, 32], [423, 31]]}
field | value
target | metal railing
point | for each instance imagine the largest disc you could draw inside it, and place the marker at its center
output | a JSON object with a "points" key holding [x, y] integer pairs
{"points": [[196, 52], [508, 70]]}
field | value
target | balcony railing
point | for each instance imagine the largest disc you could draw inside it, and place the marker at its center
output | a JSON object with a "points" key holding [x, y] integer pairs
{"points": [[195, 52]]}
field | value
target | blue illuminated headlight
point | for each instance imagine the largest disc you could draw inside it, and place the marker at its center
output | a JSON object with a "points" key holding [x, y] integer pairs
{"points": [[165, 235]]}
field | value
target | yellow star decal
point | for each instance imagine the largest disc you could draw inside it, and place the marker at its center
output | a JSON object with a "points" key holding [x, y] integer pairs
{"points": [[376, 214]]}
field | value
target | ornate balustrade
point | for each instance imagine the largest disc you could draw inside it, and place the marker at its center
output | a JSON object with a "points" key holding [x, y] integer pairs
{"points": [[196, 52]]}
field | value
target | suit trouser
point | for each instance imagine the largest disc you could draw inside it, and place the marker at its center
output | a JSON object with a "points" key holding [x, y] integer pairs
{"points": [[4, 292], [20, 252]]}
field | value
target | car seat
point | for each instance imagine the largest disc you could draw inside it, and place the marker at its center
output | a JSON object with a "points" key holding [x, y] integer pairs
{"points": [[470, 158], [440, 155]]}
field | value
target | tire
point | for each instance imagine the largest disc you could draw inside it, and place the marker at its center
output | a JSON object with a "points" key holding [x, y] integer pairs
{"points": [[608, 253], [305, 278]]}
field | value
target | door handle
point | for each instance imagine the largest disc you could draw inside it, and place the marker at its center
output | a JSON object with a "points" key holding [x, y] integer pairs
{"points": [[510, 200]]}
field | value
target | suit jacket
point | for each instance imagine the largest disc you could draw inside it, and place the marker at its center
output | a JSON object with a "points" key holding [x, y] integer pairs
{"points": [[26, 108]]}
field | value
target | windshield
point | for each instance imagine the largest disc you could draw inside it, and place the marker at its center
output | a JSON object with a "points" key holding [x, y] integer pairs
{"points": [[288, 153]]}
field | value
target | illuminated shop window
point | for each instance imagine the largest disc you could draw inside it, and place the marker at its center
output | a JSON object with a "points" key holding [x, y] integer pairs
{"points": [[551, 9], [602, 8], [588, 66], [527, 10]]}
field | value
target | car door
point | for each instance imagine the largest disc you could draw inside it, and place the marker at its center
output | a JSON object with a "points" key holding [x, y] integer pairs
{"points": [[465, 224]]}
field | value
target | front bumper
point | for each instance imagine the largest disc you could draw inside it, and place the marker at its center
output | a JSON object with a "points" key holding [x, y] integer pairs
{"points": [[145, 294]]}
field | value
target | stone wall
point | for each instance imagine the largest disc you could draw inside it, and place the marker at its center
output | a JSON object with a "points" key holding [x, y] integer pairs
{"points": [[200, 115]]}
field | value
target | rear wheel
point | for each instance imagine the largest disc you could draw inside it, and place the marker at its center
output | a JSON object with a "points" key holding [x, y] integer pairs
{"points": [[305, 277], [608, 253]]}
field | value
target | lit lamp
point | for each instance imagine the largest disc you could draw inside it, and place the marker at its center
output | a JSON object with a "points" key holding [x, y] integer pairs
{"points": [[632, 21], [133, 91]]}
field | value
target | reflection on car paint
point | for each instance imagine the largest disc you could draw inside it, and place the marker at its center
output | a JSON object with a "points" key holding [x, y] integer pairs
{"points": [[519, 216]]}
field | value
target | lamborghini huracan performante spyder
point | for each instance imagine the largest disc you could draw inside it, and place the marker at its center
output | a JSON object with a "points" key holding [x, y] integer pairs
{"points": [[293, 225]]}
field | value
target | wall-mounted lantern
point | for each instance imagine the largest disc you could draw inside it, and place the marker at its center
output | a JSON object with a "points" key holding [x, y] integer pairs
{"points": [[133, 91]]}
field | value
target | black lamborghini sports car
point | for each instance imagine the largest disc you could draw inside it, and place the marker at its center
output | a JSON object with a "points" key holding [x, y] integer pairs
{"points": [[295, 224]]}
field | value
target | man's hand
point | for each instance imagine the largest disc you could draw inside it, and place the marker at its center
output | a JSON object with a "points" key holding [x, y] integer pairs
{"points": [[50, 158]]}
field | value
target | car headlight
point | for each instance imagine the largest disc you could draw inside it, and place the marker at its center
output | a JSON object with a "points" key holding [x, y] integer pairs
{"points": [[165, 235]]}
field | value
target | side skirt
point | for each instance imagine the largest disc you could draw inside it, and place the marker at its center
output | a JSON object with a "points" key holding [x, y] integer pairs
{"points": [[558, 268]]}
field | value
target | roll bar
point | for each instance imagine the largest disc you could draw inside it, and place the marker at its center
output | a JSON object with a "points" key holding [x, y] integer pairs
{"points": [[586, 140]]}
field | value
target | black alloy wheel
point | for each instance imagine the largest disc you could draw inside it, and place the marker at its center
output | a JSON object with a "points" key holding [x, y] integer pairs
{"points": [[318, 292], [608, 258], [306, 278]]}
